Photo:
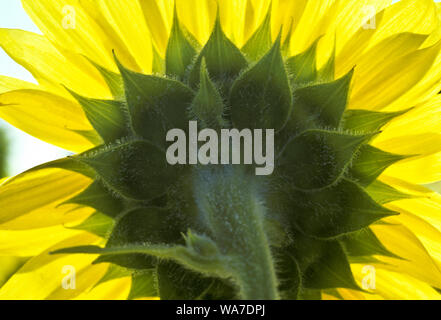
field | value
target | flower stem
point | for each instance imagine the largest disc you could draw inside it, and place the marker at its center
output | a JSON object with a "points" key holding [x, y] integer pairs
{"points": [[233, 212]]}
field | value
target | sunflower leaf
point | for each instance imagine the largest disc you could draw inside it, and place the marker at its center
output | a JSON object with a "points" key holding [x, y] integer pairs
{"points": [[261, 97], [208, 263]]}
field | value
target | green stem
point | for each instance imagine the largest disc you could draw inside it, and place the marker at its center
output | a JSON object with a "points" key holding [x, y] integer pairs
{"points": [[230, 204]]}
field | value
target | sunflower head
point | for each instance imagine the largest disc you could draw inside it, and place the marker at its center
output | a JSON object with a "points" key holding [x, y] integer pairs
{"points": [[217, 230]]}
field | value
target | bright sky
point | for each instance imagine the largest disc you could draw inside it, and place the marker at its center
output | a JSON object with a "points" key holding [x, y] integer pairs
{"points": [[25, 151]]}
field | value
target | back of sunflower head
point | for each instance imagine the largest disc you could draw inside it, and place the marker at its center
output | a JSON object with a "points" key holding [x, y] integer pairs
{"points": [[218, 230]]}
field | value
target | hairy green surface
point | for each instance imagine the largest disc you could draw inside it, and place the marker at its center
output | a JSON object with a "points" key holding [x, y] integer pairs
{"points": [[219, 231]]}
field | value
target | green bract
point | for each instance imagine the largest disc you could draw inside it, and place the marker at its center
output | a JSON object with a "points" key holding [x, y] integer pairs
{"points": [[219, 231]]}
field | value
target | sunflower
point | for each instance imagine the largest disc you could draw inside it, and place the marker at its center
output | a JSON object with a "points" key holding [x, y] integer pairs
{"points": [[350, 88]]}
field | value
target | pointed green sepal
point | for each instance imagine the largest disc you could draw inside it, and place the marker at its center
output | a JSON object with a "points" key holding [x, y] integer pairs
{"points": [[114, 272], [327, 72], [155, 104], [100, 198], [135, 169], [224, 60], [317, 159], [370, 163], [208, 106], [145, 225], [90, 135], [333, 212], [321, 105], [98, 224], [113, 80], [368, 121], [364, 243], [383, 193], [330, 270], [108, 117], [261, 97], [158, 66], [286, 46], [180, 52], [143, 285], [260, 42], [178, 283], [302, 68]]}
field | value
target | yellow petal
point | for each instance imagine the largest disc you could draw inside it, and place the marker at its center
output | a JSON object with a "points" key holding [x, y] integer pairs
{"points": [[32, 242], [394, 285], [117, 289], [39, 192], [72, 26], [49, 67], [422, 144], [9, 84], [376, 88], [428, 209], [401, 241], [422, 170], [127, 18], [8, 265], [353, 15], [348, 294], [86, 278], [47, 117], [287, 13], [43, 274], [198, 17], [423, 216], [158, 15], [391, 48], [406, 187], [423, 118], [407, 16], [49, 215], [313, 23]]}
